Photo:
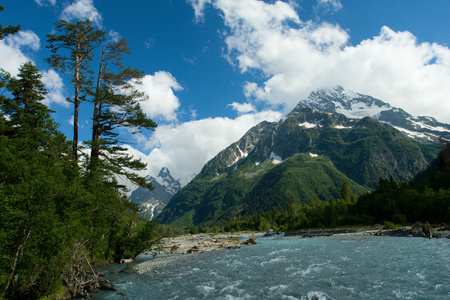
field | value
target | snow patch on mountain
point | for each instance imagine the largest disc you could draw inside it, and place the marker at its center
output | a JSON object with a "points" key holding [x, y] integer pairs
{"points": [[342, 127], [309, 125], [414, 134], [238, 156], [420, 125], [275, 158], [360, 110]]}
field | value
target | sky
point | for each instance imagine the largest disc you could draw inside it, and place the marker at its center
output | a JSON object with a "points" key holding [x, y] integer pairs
{"points": [[215, 68]]}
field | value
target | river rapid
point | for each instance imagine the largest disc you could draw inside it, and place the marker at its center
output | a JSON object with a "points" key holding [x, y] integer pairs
{"points": [[337, 267]]}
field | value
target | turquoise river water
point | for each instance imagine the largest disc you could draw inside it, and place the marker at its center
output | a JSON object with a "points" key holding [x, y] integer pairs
{"points": [[350, 267]]}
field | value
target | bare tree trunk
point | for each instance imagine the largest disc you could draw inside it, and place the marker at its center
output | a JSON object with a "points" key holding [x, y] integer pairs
{"points": [[17, 258], [95, 148]]}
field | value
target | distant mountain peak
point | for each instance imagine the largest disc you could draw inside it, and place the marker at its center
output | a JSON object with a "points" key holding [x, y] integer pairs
{"points": [[164, 172], [152, 202], [166, 180], [355, 105]]}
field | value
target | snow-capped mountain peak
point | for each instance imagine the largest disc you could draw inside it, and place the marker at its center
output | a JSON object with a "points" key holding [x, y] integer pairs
{"points": [[355, 105], [166, 180], [152, 202]]}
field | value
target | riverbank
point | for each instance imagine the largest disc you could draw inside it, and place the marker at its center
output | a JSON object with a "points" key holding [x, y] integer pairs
{"points": [[416, 230], [183, 247], [204, 242]]}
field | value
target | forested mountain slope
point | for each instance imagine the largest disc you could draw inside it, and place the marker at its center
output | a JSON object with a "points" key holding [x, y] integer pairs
{"points": [[308, 154]]}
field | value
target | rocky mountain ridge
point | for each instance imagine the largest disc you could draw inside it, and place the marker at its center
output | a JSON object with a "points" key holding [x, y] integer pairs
{"points": [[151, 203], [355, 105]]}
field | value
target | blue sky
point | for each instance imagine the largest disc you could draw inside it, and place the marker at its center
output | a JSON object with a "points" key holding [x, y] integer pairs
{"points": [[215, 68]]}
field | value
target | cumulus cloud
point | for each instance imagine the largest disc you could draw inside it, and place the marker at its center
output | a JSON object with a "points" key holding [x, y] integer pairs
{"points": [[26, 38], [243, 108], [14, 53], [297, 57], [81, 10], [162, 102], [13, 50], [55, 88], [186, 147]]}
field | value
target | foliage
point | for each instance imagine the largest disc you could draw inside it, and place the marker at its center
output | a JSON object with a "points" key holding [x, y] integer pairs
{"points": [[248, 190], [53, 216], [10, 29], [72, 51], [116, 104], [391, 204]]}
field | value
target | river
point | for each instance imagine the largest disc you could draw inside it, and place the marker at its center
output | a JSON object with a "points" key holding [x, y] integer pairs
{"points": [[337, 267]]}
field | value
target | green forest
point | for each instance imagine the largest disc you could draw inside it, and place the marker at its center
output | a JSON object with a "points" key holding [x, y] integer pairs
{"points": [[62, 209], [426, 198]]}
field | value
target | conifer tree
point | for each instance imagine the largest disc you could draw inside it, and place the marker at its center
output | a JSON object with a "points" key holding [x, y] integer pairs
{"points": [[346, 191], [116, 104], [72, 51], [25, 110], [30, 179], [10, 29]]}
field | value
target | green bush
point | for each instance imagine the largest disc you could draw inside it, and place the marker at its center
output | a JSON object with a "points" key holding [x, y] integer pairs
{"points": [[389, 225]]}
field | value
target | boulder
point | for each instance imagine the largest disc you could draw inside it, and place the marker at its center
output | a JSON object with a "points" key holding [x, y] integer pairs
{"points": [[126, 260], [250, 241]]}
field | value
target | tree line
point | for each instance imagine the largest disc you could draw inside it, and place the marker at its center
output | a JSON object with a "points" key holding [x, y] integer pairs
{"points": [[61, 205]]}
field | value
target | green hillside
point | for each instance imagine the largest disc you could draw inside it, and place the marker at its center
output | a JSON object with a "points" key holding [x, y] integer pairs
{"points": [[251, 189], [307, 156]]}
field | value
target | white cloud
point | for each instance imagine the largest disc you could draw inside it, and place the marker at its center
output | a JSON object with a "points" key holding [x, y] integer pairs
{"points": [[243, 108], [45, 2], [162, 102], [298, 57], [329, 5], [55, 88], [12, 50], [114, 36], [199, 7], [82, 9], [25, 38], [71, 120], [13, 54], [185, 148]]}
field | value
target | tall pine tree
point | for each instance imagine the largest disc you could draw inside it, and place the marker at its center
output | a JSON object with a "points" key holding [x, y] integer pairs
{"points": [[72, 51], [116, 104]]}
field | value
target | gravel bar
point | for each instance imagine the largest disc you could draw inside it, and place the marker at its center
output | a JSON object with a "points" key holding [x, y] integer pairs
{"points": [[154, 264]]}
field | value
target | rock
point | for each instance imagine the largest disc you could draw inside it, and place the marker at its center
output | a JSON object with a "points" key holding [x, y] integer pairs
{"points": [[250, 241], [126, 260], [194, 249], [174, 249], [106, 285]]}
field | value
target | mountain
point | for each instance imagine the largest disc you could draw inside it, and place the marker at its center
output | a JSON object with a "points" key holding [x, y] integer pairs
{"points": [[307, 155], [355, 105], [152, 202]]}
